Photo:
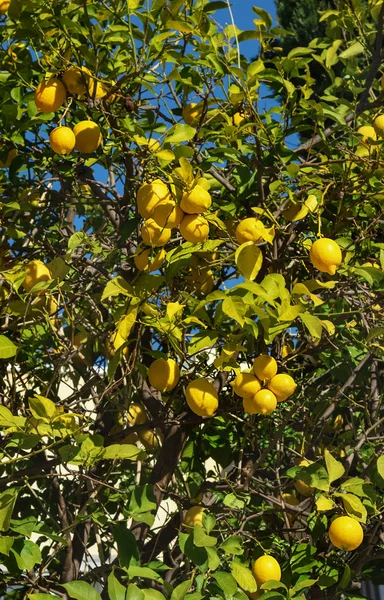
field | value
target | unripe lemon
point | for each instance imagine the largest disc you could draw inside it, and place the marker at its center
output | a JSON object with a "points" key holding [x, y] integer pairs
{"points": [[249, 230], [264, 367], [326, 255], [194, 228], [197, 201], [346, 533], [35, 272], [50, 95], [303, 488], [246, 384], [88, 136], [193, 516], [62, 140], [379, 125], [4, 5], [164, 374], [149, 195], [136, 415], [262, 403], [10, 156], [202, 397], [76, 80], [367, 132], [266, 568], [191, 114], [147, 260], [153, 235], [167, 214], [283, 386], [150, 439]]}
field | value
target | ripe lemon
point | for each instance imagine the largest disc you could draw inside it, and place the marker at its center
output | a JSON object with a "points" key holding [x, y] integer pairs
{"points": [[264, 367], [197, 201], [193, 516], [326, 255], [367, 132], [379, 125], [303, 488], [167, 214], [255, 595], [150, 439], [35, 272], [346, 533], [164, 374], [136, 415], [62, 140], [262, 403], [50, 95], [50, 304], [76, 80], [246, 384], [249, 230], [286, 350], [202, 397], [10, 156], [153, 235], [194, 228], [191, 113], [4, 5], [146, 260], [200, 281], [88, 136], [150, 195], [266, 568], [99, 89], [238, 119], [283, 386]]}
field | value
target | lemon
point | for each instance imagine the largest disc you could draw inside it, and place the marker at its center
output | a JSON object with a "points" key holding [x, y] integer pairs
{"points": [[50, 95], [191, 115], [194, 228], [146, 260], [264, 367], [303, 488], [326, 255], [346, 533], [262, 403], [62, 140], [202, 397], [153, 235], [367, 132], [255, 595], [282, 385], [4, 5], [76, 80], [200, 281], [238, 119], [286, 350], [246, 384], [290, 499], [249, 230], [49, 305], [164, 374], [136, 415], [266, 568], [379, 125], [196, 201], [10, 156], [88, 136], [99, 89], [193, 516], [167, 214], [150, 195], [150, 439], [35, 272]]}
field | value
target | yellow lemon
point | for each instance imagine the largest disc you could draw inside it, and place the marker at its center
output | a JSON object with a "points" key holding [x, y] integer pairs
{"points": [[76, 80], [150, 195], [346, 533], [136, 415], [10, 156], [35, 272], [264, 367], [49, 305], [249, 230], [88, 136], [146, 260], [325, 255], [150, 439], [202, 397], [62, 140], [4, 5], [197, 201], [164, 374], [303, 488], [266, 568], [153, 235], [246, 384], [255, 595], [194, 228], [286, 350], [238, 119], [200, 281], [167, 214], [367, 132], [50, 95], [282, 385], [193, 516], [191, 113], [99, 89], [379, 125], [262, 403]]}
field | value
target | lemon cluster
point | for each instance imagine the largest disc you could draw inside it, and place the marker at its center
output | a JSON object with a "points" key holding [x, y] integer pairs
{"points": [[256, 398]]}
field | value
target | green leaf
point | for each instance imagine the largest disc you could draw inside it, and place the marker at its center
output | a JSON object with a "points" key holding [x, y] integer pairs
{"points": [[249, 259], [40, 596], [204, 339], [58, 268], [115, 287], [181, 590], [180, 133], [323, 503], [122, 452], [346, 578], [334, 467], [143, 572], [201, 539], [313, 324], [7, 348], [7, 504], [354, 506], [214, 560], [233, 545], [316, 476], [227, 583], [244, 577], [354, 50], [6, 544], [116, 590], [28, 555], [180, 26], [127, 550], [151, 594], [76, 240], [380, 466], [81, 590], [42, 408], [302, 585], [234, 307]]}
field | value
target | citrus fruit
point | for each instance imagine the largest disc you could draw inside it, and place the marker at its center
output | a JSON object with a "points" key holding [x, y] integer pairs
{"points": [[35, 272], [200, 280], [76, 80], [147, 260], [193, 516], [10, 156], [191, 114], [379, 125], [136, 415], [303, 488], [150, 195], [202, 397], [88, 136], [153, 235], [264, 367], [4, 5], [266, 568], [326, 255], [367, 132], [346, 533], [238, 119], [196, 201], [50, 95], [290, 499], [99, 89], [263, 403], [282, 385], [164, 374], [249, 230], [246, 384], [62, 140], [255, 595], [167, 214], [150, 439], [286, 350], [194, 228]]}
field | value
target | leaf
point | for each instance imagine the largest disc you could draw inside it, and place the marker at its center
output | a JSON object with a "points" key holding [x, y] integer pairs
{"points": [[125, 325], [7, 504], [226, 582], [115, 287], [334, 467], [354, 507], [28, 556], [127, 551], [180, 591], [214, 560], [145, 572], [151, 594], [166, 155], [204, 339], [173, 308], [116, 590], [76, 240], [323, 503], [304, 584], [180, 26], [249, 259], [81, 590], [380, 466], [234, 307], [201, 539], [7, 348], [180, 133], [244, 577], [40, 596], [42, 408], [346, 578], [313, 324], [58, 268], [233, 545], [354, 50], [122, 452], [316, 476], [6, 543]]}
